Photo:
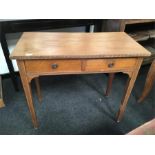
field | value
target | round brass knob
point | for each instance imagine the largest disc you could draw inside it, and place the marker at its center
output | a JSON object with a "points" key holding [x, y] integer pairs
{"points": [[54, 66], [110, 65]]}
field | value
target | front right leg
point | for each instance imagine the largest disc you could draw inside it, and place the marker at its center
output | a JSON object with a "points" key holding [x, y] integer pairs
{"points": [[27, 90]]}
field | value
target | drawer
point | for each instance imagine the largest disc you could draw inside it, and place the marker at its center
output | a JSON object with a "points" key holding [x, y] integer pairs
{"points": [[49, 66], [109, 64]]}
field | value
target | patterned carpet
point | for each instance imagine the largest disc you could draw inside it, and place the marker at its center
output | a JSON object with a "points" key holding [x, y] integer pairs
{"points": [[75, 104]]}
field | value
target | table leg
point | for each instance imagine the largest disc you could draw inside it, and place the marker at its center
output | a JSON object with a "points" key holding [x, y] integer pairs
{"points": [[38, 89], [109, 85], [27, 90], [149, 82], [130, 83]]}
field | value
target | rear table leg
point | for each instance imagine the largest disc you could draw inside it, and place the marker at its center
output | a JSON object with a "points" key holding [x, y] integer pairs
{"points": [[38, 89], [109, 85]]}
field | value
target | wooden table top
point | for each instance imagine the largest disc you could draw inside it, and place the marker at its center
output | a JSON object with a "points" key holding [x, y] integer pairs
{"points": [[51, 45]]}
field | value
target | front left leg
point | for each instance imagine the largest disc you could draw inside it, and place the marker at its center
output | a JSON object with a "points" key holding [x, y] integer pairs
{"points": [[27, 89]]}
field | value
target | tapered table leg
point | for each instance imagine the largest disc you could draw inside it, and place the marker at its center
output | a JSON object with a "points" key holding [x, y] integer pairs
{"points": [[28, 93], [149, 82], [109, 84], [38, 89], [130, 83]]}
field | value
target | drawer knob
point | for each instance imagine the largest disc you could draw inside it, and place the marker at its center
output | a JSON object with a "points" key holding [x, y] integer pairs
{"points": [[110, 65], [54, 66]]}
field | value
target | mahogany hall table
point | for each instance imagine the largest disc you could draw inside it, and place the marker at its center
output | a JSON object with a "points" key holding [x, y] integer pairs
{"points": [[44, 53]]}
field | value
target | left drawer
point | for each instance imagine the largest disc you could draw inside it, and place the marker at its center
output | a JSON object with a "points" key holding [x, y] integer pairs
{"points": [[52, 66]]}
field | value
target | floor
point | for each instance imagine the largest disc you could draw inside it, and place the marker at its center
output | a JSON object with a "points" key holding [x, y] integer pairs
{"points": [[75, 104]]}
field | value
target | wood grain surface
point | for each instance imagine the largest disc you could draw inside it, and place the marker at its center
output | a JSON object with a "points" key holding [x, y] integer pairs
{"points": [[45, 45]]}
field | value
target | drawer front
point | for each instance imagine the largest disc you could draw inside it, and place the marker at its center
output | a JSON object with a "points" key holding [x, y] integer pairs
{"points": [[109, 64], [49, 66]]}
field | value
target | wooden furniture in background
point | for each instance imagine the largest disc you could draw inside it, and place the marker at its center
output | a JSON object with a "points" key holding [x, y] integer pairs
{"points": [[1, 94], [149, 82], [13, 26], [40, 54], [141, 30]]}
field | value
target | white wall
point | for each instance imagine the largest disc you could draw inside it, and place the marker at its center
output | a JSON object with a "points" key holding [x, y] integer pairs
{"points": [[12, 39]]}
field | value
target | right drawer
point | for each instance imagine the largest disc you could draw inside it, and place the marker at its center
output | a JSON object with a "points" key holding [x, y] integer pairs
{"points": [[109, 64]]}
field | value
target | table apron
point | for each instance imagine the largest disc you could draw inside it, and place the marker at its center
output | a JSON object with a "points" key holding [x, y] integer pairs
{"points": [[77, 66]]}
